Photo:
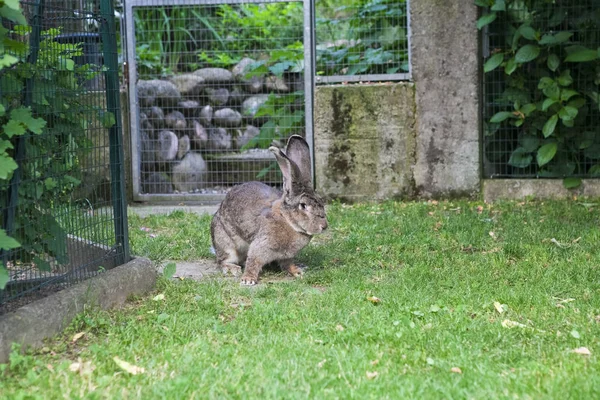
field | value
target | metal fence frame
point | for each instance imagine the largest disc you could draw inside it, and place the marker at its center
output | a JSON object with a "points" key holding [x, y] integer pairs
{"points": [[116, 253], [309, 68], [405, 76]]}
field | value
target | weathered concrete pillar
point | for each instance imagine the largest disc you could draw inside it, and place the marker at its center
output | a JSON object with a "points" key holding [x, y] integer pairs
{"points": [[445, 66], [364, 141]]}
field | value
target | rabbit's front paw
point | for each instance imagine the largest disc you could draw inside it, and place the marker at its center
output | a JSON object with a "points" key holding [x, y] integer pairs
{"points": [[248, 281], [232, 269]]}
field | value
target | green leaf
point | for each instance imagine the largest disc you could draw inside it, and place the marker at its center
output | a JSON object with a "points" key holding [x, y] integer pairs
{"points": [[499, 5], [546, 153], [50, 183], [557, 38], [594, 170], [169, 270], [571, 183], [501, 116], [565, 78], [15, 15], [566, 94], [6, 242], [545, 82], [493, 62], [528, 109], [7, 166], [7, 60], [510, 66], [568, 113], [593, 152], [547, 103], [577, 103], [14, 4], [23, 115], [550, 125], [553, 62], [530, 143], [528, 32], [14, 128], [527, 53], [552, 91], [108, 119], [486, 20], [520, 158], [4, 276], [582, 55]]}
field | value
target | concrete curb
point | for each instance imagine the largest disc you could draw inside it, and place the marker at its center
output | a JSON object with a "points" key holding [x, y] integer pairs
{"points": [[519, 189], [42, 319]]}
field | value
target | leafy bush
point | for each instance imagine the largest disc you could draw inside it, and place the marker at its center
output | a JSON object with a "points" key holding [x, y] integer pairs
{"points": [[546, 60], [43, 110], [367, 37]]}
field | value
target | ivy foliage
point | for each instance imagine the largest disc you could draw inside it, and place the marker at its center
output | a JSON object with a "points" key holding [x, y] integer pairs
{"points": [[43, 108], [547, 59]]}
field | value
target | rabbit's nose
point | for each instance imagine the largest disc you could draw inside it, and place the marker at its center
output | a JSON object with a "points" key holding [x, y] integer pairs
{"points": [[323, 225]]}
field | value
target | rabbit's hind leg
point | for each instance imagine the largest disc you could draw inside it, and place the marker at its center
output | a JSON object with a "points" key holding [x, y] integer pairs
{"points": [[293, 268]]}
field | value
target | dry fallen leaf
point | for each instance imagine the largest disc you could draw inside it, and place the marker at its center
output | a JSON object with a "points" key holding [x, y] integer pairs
{"points": [[375, 362], [83, 368], [584, 351], [501, 308], [159, 297], [78, 336], [125, 366], [374, 300], [321, 363], [372, 375], [339, 328], [507, 323], [479, 209], [492, 235], [50, 367], [456, 370]]}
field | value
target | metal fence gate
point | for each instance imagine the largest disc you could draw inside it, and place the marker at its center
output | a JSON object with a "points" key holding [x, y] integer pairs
{"points": [[210, 87], [64, 203]]}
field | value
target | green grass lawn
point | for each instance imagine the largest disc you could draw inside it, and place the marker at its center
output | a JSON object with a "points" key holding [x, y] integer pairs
{"points": [[403, 300]]}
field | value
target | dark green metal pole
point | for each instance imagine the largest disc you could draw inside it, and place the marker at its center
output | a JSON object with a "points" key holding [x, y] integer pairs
{"points": [[117, 165]]}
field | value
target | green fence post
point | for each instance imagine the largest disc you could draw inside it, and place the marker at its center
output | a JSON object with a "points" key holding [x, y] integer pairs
{"points": [[117, 165]]}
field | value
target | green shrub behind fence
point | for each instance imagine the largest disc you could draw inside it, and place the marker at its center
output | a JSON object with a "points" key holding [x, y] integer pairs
{"points": [[541, 88]]}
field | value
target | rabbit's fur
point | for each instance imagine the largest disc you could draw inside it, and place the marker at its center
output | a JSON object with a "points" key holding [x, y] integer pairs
{"points": [[257, 224]]}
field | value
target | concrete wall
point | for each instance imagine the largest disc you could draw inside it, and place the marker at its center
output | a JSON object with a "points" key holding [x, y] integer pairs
{"points": [[365, 141], [408, 139]]}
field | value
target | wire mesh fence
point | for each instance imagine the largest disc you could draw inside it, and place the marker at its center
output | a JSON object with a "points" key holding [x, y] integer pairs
{"points": [[362, 40], [212, 86], [540, 90], [64, 203]]}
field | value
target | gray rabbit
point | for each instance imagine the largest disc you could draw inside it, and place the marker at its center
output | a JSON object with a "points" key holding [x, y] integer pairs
{"points": [[257, 224]]}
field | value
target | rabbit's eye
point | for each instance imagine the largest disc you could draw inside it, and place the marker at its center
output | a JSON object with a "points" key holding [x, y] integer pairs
{"points": [[302, 206]]}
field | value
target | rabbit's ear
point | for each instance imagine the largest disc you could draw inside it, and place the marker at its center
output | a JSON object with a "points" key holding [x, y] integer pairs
{"points": [[298, 151], [289, 169]]}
